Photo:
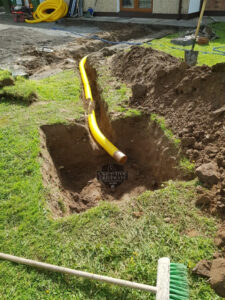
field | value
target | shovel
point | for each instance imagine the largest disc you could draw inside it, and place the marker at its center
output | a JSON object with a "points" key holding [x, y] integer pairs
{"points": [[191, 56]]}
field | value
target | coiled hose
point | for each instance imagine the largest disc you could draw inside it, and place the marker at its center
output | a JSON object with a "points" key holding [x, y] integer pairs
{"points": [[49, 11]]}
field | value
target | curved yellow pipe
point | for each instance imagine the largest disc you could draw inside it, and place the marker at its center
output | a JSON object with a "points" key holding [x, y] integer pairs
{"points": [[59, 7], [119, 156]]}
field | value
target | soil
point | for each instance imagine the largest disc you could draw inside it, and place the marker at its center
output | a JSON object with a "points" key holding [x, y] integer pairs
{"points": [[71, 161], [192, 100], [42, 52]]}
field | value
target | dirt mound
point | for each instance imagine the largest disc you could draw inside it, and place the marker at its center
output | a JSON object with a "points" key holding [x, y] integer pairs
{"points": [[71, 162], [192, 99]]}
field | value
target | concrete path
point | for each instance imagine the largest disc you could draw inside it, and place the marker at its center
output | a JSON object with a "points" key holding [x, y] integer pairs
{"points": [[192, 23], [52, 29]]}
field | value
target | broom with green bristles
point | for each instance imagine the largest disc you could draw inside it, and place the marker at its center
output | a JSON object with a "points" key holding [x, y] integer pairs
{"points": [[172, 283]]}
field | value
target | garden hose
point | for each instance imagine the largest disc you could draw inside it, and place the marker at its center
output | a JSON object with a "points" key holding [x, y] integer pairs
{"points": [[49, 11], [119, 156]]}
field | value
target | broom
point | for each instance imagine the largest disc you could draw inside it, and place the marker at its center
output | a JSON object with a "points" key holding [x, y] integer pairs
{"points": [[172, 281]]}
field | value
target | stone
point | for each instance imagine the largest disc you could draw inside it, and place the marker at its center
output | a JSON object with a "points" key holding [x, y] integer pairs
{"points": [[139, 90], [198, 146], [208, 173], [20, 73], [220, 67], [217, 276], [219, 111], [217, 255], [203, 268], [220, 237], [188, 141], [203, 200], [183, 41]]}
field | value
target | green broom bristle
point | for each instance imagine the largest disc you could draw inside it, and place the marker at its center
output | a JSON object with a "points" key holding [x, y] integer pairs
{"points": [[178, 282]]}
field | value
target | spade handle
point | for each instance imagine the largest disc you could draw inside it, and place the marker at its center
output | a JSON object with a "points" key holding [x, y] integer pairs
{"points": [[199, 21]]}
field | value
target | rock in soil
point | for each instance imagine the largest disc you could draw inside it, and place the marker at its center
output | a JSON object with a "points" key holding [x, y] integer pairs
{"points": [[217, 276], [208, 174], [220, 237], [203, 268]]}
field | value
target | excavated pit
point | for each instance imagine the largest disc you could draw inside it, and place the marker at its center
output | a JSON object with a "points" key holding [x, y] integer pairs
{"points": [[71, 158], [71, 162]]}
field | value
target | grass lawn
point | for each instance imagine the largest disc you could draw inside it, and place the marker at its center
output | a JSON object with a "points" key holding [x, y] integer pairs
{"points": [[108, 239], [165, 45]]}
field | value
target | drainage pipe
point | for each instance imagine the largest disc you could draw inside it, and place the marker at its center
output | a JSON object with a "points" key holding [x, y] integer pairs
{"points": [[58, 8], [119, 156]]}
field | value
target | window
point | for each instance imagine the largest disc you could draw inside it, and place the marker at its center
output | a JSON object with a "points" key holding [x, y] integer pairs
{"points": [[136, 5], [128, 3], [145, 3]]}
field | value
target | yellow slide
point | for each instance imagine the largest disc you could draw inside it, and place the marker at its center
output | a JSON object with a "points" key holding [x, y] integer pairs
{"points": [[59, 10], [96, 132]]}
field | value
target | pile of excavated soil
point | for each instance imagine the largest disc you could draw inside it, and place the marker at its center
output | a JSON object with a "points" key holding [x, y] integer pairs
{"points": [[192, 100]]}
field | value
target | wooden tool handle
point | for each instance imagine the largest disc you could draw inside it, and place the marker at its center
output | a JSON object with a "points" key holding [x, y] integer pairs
{"points": [[200, 18]]}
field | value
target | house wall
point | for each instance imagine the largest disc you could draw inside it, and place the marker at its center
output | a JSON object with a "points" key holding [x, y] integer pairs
{"points": [[102, 5], [216, 5], [169, 6], [159, 6]]}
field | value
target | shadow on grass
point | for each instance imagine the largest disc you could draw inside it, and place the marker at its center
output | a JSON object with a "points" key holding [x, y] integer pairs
{"points": [[17, 100], [89, 289]]}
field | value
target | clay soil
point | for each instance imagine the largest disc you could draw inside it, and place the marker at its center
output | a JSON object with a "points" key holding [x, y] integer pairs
{"points": [[192, 100]]}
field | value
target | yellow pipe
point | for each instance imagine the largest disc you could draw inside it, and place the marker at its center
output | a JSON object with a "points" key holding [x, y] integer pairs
{"points": [[119, 156], [59, 7]]}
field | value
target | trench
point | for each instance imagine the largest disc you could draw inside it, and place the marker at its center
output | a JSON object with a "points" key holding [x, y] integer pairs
{"points": [[71, 159]]}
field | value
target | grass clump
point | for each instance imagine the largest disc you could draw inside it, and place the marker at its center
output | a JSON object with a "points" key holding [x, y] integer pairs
{"points": [[186, 166], [5, 74], [210, 59], [114, 93], [5, 79], [168, 132], [21, 91], [59, 87]]}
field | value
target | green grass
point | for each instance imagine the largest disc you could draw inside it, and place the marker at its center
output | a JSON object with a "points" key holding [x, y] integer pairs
{"points": [[108, 239], [48, 88], [116, 94], [165, 45], [4, 74], [186, 166], [168, 132]]}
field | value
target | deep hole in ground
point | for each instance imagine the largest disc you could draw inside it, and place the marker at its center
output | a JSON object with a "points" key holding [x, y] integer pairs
{"points": [[70, 163], [71, 158]]}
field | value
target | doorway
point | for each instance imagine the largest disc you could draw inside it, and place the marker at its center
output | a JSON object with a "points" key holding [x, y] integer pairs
{"points": [[136, 5]]}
